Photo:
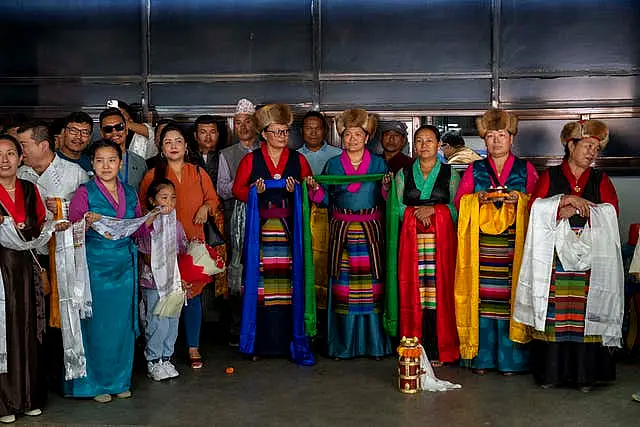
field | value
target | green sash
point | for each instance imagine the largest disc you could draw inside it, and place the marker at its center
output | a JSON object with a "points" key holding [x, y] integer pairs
{"points": [[390, 317]]}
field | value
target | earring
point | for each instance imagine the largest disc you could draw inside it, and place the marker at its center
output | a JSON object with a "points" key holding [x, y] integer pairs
{"points": [[162, 154]]}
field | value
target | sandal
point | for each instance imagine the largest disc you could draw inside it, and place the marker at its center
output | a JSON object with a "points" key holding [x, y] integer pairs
{"points": [[436, 364], [196, 362]]}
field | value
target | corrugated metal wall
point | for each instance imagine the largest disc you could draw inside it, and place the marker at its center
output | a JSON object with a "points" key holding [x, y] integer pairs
{"points": [[420, 59]]}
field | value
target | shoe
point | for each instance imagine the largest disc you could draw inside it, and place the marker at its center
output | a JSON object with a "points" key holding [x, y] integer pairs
{"points": [[33, 413], [8, 419], [102, 398], [170, 369], [234, 341], [586, 389], [636, 396], [157, 371], [547, 386], [196, 362], [124, 395], [479, 371], [508, 374]]}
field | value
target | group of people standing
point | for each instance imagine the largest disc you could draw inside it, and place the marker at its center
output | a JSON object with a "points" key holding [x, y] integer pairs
{"points": [[341, 244]]}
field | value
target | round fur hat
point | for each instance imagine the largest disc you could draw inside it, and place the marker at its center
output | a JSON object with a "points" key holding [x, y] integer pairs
{"points": [[497, 119], [274, 113], [356, 118], [585, 129]]}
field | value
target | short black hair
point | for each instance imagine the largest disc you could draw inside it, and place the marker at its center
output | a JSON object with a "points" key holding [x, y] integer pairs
{"points": [[318, 115], [78, 117], [221, 125], [7, 137], [205, 119], [111, 112], [40, 133], [432, 128], [105, 143], [453, 139]]}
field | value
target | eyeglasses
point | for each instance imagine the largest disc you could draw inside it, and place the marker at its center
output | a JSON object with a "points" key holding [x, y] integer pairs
{"points": [[76, 131], [279, 132], [108, 129]]}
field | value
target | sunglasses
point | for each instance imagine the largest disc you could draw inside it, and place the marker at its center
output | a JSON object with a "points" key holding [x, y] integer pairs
{"points": [[108, 129]]}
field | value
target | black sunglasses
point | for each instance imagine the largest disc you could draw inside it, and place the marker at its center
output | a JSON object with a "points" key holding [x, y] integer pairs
{"points": [[108, 129]]}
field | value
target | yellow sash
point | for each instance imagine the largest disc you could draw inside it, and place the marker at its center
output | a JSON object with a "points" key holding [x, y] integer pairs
{"points": [[319, 223], [472, 219]]}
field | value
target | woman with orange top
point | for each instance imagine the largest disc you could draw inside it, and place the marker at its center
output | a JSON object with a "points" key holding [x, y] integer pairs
{"points": [[196, 199]]}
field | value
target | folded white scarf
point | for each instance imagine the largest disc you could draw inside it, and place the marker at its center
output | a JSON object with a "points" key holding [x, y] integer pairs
{"points": [[597, 248], [164, 266]]}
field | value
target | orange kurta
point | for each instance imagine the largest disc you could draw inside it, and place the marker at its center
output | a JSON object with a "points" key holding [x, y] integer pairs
{"points": [[191, 193]]}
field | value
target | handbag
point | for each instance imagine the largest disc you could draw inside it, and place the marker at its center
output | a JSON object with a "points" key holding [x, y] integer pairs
{"points": [[212, 235]]}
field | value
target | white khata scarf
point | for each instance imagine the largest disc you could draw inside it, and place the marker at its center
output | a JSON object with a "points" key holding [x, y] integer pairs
{"points": [[596, 248], [9, 238], [164, 266]]}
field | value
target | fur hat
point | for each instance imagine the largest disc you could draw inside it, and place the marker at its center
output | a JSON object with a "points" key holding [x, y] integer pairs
{"points": [[585, 129], [356, 118], [497, 119], [274, 113]]}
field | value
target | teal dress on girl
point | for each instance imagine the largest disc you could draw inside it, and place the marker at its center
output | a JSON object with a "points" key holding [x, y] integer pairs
{"points": [[109, 334]]}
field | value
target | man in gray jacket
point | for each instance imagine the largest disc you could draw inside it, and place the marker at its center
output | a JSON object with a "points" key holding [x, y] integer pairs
{"points": [[245, 141]]}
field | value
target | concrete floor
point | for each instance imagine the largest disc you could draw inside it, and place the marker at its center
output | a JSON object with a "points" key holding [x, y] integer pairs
{"points": [[343, 393]]}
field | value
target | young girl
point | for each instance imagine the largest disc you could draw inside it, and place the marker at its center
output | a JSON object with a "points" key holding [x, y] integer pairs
{"points": [[160, 332]]}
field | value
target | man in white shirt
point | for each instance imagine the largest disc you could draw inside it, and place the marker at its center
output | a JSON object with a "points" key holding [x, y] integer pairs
{"points": [[57, 181]]}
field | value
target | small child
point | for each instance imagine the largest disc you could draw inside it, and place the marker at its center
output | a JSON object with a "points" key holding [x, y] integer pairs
{"points": [[160, 332]]}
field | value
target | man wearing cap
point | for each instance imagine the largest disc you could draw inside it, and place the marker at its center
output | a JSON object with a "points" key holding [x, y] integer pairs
{"points": [[570, 289], [394, 139], [244, 129], [492, 203]]}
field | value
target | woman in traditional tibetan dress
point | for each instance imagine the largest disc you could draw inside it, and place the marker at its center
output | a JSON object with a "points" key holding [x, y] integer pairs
{"points": [[109, 334], [356, 243], [23, 385], [491, 235], [564, 353], [426, 264], [271, 333]]}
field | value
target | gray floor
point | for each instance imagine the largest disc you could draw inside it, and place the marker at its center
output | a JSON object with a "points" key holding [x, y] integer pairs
{"points": [[344, 393]]}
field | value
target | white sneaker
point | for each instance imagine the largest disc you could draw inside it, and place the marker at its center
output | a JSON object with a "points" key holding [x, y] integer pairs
{"points": [[33, 413], [8, 419], [157, 371], [171, 370]]}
